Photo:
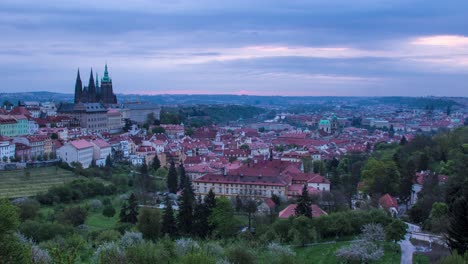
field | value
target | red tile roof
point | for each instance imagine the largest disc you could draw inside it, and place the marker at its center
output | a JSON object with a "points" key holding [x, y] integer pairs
{"points": [[387, 201], [81, 144], [290, 211]]}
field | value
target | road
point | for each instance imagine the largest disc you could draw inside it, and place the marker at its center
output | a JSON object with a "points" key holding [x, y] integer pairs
{"points": [[407, 250]]}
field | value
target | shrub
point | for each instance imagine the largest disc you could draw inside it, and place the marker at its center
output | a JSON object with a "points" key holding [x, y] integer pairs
{"points": [[107, 236], [108, 211], [43, 231], [28, 208], [147, 253], [198, 258], [73, 215], [95, 205], [185, 246], [281, 254], [237, 254], [110, 253], [455, 258], [131, 239], [361, 252], [214, 249], [40, 256]]}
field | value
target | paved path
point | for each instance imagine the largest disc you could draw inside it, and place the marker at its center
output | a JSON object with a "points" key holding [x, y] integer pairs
{"points": [[407, 250]]}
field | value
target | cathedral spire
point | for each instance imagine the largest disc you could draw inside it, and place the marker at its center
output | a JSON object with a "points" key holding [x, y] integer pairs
{"points": [[78, 87], [106, 75], [91, 88]]}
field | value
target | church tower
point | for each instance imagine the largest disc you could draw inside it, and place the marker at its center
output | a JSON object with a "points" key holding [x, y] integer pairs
{"points": [[91, 89], [78, 87], [107, 93]]}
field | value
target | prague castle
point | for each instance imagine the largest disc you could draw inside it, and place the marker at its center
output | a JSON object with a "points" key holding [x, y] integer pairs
{"points": [[93, 93]]}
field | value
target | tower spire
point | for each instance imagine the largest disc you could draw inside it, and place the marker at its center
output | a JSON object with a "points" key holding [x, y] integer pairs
{"points": [[91, 88], [78, 87]]}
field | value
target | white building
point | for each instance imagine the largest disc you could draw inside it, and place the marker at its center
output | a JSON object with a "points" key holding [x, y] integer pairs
{"points": [[101, 150], [33, 127], [7, 148], [77, 151]]}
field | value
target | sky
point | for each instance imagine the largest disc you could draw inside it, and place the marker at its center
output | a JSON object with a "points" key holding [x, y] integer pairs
{"points": [[264, 47]]}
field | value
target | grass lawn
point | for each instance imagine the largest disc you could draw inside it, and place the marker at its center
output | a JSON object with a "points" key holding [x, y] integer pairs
{"points": [[325, 254], [29, 182], [96, 221], [420, 259]]}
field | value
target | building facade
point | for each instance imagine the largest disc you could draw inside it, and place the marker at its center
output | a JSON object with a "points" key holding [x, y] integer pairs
{"points": [[77, 151], [13, 125]]}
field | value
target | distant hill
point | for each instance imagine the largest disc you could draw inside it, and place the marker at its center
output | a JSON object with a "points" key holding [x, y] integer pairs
{"points": [[259, 101]]}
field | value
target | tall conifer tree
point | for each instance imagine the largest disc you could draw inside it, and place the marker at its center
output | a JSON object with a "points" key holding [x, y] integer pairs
{"points": [[168, 225], [303, 204], [172, 178]]}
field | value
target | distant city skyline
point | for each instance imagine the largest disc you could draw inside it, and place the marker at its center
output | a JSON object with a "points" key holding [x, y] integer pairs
{"points": [[265, 47]]}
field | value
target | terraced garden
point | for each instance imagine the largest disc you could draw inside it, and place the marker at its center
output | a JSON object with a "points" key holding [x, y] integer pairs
{"points": [[21, 183]]}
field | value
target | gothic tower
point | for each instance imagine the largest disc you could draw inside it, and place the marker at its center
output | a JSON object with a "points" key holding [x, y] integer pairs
{"points": [[107, 93], [78, 88], [91, 89]]}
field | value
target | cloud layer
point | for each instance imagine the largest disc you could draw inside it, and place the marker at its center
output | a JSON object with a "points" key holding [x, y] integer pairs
{"points": [[363, 47]]}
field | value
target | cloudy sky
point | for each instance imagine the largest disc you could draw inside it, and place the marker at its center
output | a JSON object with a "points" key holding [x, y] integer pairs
{"points": [[264, 47]]}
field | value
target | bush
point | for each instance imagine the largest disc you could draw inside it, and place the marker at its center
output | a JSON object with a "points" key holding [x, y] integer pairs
{"points": [[107, 236], [455, 258], [95, 205], [214, 249], [40, 256], [43, 231], [74, 216], [360, 252], [281, 254], [198, 258], [131, 239], [110, 253], [237, 254], [28, 208], [147, 253], [108, 211], [185, 246]]}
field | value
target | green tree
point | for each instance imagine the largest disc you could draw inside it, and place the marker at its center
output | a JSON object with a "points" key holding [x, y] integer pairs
{"points": [[395, 231], [185, 215], [244, 147], [182, 176], [407, 178], [158, 130], [200, 224], [156, 163], [308, 164], [250, 208], [28, 209], [303, 204], [222, 218], [11, 250], [108, 161], [108, 211], [129, 210], [403, 141], [302, 231], [172, 178], [149, 221], [381, 177], [72, 215], [168, 225]]}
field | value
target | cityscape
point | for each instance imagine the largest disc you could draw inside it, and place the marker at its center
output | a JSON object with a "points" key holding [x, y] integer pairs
{"points": [[266, 147]]}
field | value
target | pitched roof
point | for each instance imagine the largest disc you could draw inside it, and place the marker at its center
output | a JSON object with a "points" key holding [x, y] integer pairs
{"points": [[387, 201], [291, 211], [81, 144]]}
